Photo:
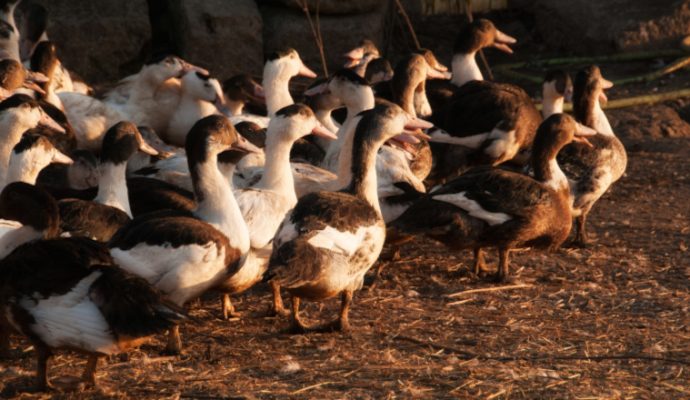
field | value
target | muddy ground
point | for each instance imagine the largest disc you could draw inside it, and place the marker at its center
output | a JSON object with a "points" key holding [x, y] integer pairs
{"points": [[608, 321]]}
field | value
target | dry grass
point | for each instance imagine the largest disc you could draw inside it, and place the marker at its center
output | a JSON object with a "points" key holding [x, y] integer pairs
{"points": [[610, 321]]}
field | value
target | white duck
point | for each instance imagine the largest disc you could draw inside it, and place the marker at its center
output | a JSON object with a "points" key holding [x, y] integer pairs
{"points": [[265, 204]]}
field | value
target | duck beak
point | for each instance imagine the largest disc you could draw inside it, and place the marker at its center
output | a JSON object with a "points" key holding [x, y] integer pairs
{"points": [[502, 41], [37, 77], [144, 147], [318, 89], [46, 120], [259, 92], [61, 158], [187, 67], [417, 123], [33, 86], [305, 71], [581, 133], [245, 145], [321, 131], [606, 84], [433, 73], [354, 56]]}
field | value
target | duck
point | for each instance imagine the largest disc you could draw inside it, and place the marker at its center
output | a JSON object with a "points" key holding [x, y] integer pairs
{"points": [[364, 47], [33, 21], [265, 204], [30, 155], [508, 117], [280, 67], [557, 88], [66, 293], [9, 35], [591, 170], [201, 96], [110, 210], [493, 207], [18, 113], [44, 60], [14, 79], [379, 70], [185, 254], [326, 244], [148, 102], [240, 90], [78, 177]]}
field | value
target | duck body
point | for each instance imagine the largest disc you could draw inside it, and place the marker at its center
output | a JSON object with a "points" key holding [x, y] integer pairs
{"points": [[492, 207], [591, 170]]}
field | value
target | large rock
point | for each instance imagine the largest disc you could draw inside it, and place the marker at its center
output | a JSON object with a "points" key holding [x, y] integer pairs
{"points": [[286, 27], [102, 40], [335, 7], [221, 35], [585, 25]]}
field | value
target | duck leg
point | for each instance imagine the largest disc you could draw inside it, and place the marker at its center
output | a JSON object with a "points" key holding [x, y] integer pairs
{"points": [[296, 324], [228, 309], [278, 307], [42, 356], [581, 233], [174, 346], [503, 265], [89, 375], [479, 264], [341, 324]]}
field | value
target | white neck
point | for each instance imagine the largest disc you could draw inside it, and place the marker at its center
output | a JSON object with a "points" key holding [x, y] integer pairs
{"points": [[551, 106], [24, 168], [278, 172], [465, 69], [276, 90], [235, 107], [558, 180], [16, 237], [11, 129], [344, 170], [112, 186], [601, 123], [218, 206], [324, 116], [335, 154]]}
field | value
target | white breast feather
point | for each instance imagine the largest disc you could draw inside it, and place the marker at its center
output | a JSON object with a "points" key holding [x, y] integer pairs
{"points": [[334, 240], [263, 211], [473, 208], [71, 319]]}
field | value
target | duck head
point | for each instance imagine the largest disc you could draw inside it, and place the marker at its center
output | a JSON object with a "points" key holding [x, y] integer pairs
{"points": [[201, 86], [163, 67], [556, 89], [287, 64], [31, 206], [211, 136], [480, 34], [240, 90], [365, 48], [294, 122], [121, 142], [378, 70], [24, 111]]}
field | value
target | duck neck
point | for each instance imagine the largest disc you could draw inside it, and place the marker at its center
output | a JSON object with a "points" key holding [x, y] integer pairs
{"points": [[600, 122], [216, 204], [552, 106], [548, 172], [364, 183], [11, 128], [324, 116], [276, 90], [340, 150], [236, 107], [23, 169], [465, 69], [344, 170], [112, 186], [278, 172]]}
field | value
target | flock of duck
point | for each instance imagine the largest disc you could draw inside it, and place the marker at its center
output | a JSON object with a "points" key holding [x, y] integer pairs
{"points": [[120, 209]]}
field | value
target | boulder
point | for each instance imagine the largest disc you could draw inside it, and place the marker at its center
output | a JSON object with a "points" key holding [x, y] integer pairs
{"points": [[335, 7], [101, 40], [223, 36], [288, 27], [627, 25]]}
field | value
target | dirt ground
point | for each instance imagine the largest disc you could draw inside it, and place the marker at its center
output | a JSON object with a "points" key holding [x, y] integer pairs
{"points": [[606, 322]]}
